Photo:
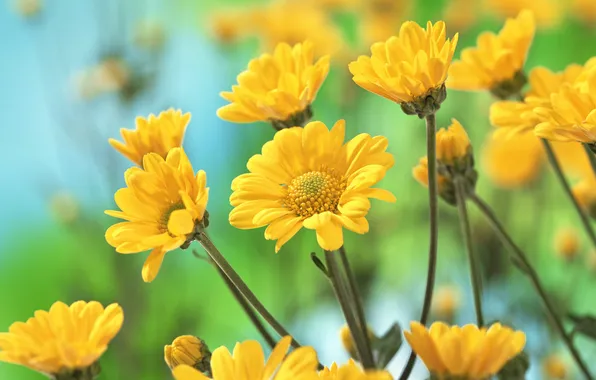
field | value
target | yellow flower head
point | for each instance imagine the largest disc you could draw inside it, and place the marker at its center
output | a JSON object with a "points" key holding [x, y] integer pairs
{"points": [[28, 8], [555, 367], [585, 194], [567, 244], [162, 204], [248, 363], [420, 173], [497, 58], [189, 350], [584, 10], [62, 339], [468, 351], [380, 19], [230, 25], [547, 12], [352, 371], [155, 134], [307, 177], [446, 301], [452, 144], [276, 87], [408, 66]]}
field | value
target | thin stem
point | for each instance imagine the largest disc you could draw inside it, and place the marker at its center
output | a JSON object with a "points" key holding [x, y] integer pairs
{"points": [[433, 200], [340, 287], [552, 158], [529, 270], [358, 306], [475, 275], [591, 157], [239, 284]]}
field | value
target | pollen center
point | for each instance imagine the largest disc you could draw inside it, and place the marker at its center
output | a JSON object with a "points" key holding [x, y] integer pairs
{"points": [[315, 192], [165, 216]]}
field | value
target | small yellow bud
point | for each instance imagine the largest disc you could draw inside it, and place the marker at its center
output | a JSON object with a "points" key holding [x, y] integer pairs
{"points": [[452, 143], [446, 301], [585, 194], [555, 368], [420, 173], [28, 8], [189, 350], [567, 245], [348, 341]]}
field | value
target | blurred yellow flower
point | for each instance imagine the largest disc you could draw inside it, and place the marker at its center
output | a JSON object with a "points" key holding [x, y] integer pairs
{"points": [[307, 177], [155, 134], [352, 371], [566, 243], [409, 66], [420, 173], [380, 19], [149, 35], [347, 340], [471, 352], [548, 13], [591, 261], [584, 10], [64, 207], [27, 8], [446, 301], [247, 363], [162, 205], [585, 194], [460, 15], [63, 339], [555, 368], [230, 25], [453, 143], [278, 87], [498, 58], [189, 350]]}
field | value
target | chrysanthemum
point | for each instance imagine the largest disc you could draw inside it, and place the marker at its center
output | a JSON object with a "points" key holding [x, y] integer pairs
{"points": [[155, 134], [162, 204], [66, 338], [471, 352], [189, 350], [309, 177], [352, 371], [409, 66], [248, 363], [497, 59], [452, 143], [278, 87]]}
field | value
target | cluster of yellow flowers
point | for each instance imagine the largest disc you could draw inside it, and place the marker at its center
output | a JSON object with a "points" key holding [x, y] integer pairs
{"points": [[308, 176]]}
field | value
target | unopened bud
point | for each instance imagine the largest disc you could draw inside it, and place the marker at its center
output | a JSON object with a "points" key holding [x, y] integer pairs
{"points": [[189, 350], [427, 104], [446, 302], [555, 368], [348, 341]]}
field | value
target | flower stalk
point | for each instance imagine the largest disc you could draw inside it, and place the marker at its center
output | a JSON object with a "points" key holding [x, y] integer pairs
{"points": [[591, 156], [522, 260]]}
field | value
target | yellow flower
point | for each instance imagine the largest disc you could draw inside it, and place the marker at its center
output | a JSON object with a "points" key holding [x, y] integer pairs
{"points": [[247, 363], [149, 35], [348, 341], [351, 371], [446, 301], [547, 12], [162, 205], [584, 10], [409, 66], [380, 19], [64, 207], [230, 25], [585, 194], [452, 143], [276, 87], [28, 8], [497, 58], [555, 368], [461, 14], [155, 134], [307, 177], [420, 173], [567, 244], [189, 350], [468, 351], [62, 339]]}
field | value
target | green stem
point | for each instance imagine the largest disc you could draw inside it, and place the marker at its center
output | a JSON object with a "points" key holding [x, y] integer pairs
{"points": [[239, 284], [357, 302], [475, 276], [342, 293], [529, 270], [433, 197], [552, 158], [591, 157]]}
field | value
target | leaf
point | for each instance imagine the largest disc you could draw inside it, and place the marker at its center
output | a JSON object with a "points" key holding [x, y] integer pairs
{"points": [[516, 368], [319, 263], [387, 345], [584, 324]]}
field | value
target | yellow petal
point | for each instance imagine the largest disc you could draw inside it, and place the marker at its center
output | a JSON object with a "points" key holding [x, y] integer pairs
{"points": [[180, 223], [152, 264]]}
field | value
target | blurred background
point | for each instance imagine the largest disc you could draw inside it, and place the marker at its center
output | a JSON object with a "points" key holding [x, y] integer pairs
{"points": [[75, 72]]}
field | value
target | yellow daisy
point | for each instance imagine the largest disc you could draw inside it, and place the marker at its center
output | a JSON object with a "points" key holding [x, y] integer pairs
{"points": [[471, 352], [407, 67], [155, 134], [162, 205], [63, 339], [248, 363], [189, 350], [352, 371], [278, 88], [309, 177], [497, 58], [453, 143]]}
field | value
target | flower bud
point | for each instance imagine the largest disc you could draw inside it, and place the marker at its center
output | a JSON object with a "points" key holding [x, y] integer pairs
{"points": [[585, 194], [446, 189], [348, 341], [446, 302], [567, 245], [189, 350], [554, 367], [453, 143]]}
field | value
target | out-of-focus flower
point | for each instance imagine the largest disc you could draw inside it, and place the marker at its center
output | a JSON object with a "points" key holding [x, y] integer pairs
{"points": [[247, 363], [497, 62], [155, 134], [410, 68], [381, 19], [307, 177], [332, 5], [584, 10], [27, 8], [64, 207], [554, 367], [113, 74], [468, 351], [591, 261], [567, 244], [163, 204], [352, 371], [548, 13], [231, 25], [453, 143], [189, 350], [64, 339], [459, 15], [278, 88], [446, 187], [348, 341], [150, 35], [585, 194], [446, 302]]}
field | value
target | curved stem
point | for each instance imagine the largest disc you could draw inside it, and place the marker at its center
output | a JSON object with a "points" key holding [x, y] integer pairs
{"points": [[235, 279], [529, 270], [552, 158], [433, 200], [475, 275], [591, 157]]}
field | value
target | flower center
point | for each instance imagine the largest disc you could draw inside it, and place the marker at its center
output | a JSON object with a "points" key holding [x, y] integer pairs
{"points": [[165, 216], [315, 192]]}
